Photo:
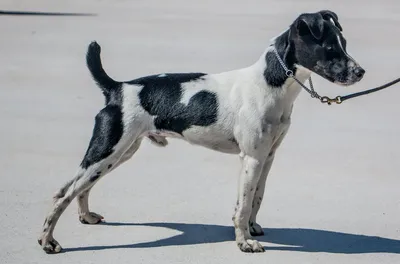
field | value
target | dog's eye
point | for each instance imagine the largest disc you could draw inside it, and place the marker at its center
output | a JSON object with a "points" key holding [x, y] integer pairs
{"points": [[329, 48]]}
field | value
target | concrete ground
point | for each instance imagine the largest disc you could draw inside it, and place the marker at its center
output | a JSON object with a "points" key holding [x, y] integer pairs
{"points": [[333, 192]]}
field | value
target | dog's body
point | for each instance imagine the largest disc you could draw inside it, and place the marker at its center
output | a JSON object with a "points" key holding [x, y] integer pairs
{"points": [[210, 110], [245, 111]]}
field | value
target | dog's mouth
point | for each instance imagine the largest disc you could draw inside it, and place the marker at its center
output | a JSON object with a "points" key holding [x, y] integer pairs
{"points": [[345, 83], [340, 81], [348, 82]]}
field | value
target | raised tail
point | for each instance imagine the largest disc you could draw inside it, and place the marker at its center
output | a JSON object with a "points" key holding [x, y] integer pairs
{"points": [[93, 61]]}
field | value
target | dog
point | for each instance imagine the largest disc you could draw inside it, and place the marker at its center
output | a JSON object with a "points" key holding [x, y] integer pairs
{"points": [[246, 112]]}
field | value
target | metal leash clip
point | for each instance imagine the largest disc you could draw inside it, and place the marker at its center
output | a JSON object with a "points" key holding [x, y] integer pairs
{"points": [[329, 101]]}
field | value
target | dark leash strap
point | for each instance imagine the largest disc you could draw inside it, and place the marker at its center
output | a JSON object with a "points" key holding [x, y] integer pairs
{"points": [[349, 96], [340, 99], [325, 99]]}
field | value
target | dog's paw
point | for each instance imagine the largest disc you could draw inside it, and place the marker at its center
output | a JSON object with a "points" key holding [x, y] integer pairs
{"points": [[250, 246], [90, 218], [256, 229], [50, 246]]}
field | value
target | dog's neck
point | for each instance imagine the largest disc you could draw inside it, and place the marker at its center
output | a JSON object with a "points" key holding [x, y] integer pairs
{"points": [[274, 74]]}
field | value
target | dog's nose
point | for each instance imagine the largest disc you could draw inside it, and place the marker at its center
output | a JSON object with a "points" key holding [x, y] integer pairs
{"points": [[359, 72]]}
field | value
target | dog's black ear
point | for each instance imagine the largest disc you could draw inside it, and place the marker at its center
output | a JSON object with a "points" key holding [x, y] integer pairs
{"points": [[310, 24], [332, 17]]}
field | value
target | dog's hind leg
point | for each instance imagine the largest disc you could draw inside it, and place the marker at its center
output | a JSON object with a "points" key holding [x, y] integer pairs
{"points": [[87, 217], [84, 180], [107, 146]]}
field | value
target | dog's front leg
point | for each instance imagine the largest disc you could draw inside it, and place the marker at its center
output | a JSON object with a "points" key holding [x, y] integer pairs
{"points": [[256, 229], [249, 176]]}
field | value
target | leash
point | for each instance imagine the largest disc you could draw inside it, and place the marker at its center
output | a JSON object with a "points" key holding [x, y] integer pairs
{"points": [[325, 99]]}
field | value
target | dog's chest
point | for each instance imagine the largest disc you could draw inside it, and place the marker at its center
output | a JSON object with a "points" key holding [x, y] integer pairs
{"points": [[266, 116], [274, 107]]}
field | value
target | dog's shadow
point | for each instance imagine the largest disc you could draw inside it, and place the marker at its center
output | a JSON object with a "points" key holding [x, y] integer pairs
{"points": [[287, 239]]}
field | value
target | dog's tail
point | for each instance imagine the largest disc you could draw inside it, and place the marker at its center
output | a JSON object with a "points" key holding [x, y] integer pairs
{"points": [[93, 61]]}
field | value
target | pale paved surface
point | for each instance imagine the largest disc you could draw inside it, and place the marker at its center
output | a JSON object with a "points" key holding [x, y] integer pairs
{"points": [[333, 195]]}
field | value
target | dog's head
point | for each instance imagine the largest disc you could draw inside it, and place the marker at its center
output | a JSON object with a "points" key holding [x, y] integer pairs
{"points": [[319, 46]]}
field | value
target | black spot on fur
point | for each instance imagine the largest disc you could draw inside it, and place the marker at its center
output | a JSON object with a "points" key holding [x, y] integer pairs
{"points": [[98, 173], [274, 73], [64, 189], [49, 222], [109, 166], [107, 132], [161, 97], [94, 178]]}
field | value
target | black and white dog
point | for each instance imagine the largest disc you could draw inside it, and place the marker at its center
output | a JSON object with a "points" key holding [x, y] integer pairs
{"points": [[245, 111]]}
